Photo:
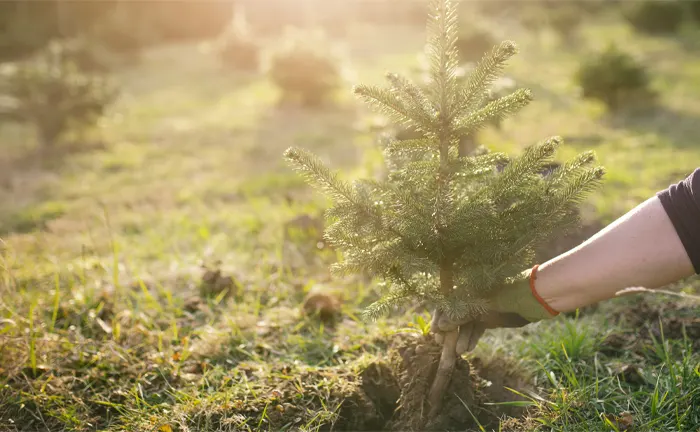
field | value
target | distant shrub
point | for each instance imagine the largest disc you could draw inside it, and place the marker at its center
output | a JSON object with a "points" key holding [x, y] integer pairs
{"points": [[305, 69], [694, 9], [564, 17], [237, 48], [659, 16], [52, 92], [615, 78], [85, 55]]}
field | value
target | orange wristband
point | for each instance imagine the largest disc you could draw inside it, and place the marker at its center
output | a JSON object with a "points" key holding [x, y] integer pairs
{"points": [[533, 277]]}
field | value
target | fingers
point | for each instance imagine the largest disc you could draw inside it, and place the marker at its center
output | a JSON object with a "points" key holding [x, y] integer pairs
{"points": [[435, 328], [471, 331], [469, 335], [434, 322], [439, 338], [479, 329], [446, 324], [464, 339]]}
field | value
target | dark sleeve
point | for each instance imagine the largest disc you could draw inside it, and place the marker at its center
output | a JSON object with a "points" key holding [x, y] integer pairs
{"points": [[682, 204]]}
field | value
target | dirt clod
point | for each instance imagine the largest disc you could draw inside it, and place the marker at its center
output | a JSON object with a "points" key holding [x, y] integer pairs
{"points": [[324, 305], [614, 343], [631, 374], [214, 282], [622, 422]]}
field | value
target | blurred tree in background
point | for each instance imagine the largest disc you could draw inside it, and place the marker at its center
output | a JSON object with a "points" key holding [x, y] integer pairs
{"points": [[615, 78], [305, 68], [125, 25], [656, 16], [53, 92], [26, 26], [238, 49]]}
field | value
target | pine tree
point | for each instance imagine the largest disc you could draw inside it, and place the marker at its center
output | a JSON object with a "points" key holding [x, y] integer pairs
{"points": [[443, 228]]}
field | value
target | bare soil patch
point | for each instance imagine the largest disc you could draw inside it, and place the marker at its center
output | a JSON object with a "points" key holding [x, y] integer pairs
{"points": [[392, 397]]}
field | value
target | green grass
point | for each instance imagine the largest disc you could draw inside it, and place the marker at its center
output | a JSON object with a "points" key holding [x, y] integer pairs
{"points": [[102, 325]]}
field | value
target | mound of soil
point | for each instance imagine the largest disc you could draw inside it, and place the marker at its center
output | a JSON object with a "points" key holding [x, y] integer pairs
{"points": [[393, 397], [372, 405], [673, 319]]}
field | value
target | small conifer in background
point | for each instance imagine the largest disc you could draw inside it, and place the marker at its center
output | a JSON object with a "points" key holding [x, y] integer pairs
{"points": [[236, 46], [305, 68], [656, 16], [443, 228], [615, 78], [86, 55], [55, 92]]}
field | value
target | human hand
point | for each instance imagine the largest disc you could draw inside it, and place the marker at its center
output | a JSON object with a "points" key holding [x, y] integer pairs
{"points": [[512, 305], [471, 330]]}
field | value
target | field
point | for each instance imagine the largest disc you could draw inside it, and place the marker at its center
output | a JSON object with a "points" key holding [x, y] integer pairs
{"points": [[108, 249]]}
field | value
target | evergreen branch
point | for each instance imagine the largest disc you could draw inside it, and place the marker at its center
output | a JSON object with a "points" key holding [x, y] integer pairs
{"points": [[319, 175], [471, 164], [442, 52], [422, 171], [553, 215], [580, 162], [415, 96], [457, 307], [577, 186], [495, 110], [466, 223], [382, 306], [488, 70], [340, 235], [339, 211], [409, 147], [388, 102], [401, 291], [530, 163], [404, 202]]}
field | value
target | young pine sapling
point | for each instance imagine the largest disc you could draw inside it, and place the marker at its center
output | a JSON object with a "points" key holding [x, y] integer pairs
{"points": [[442, 228]]}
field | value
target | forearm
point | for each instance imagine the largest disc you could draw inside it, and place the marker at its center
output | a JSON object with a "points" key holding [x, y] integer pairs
{"points": [[640, 249]]}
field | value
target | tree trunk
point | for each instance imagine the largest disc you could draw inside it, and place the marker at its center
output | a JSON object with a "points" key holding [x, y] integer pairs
{"points": [[448, 358]]}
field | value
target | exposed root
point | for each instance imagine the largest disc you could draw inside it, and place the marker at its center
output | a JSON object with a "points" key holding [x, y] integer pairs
{"points": [[444, 372]]}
